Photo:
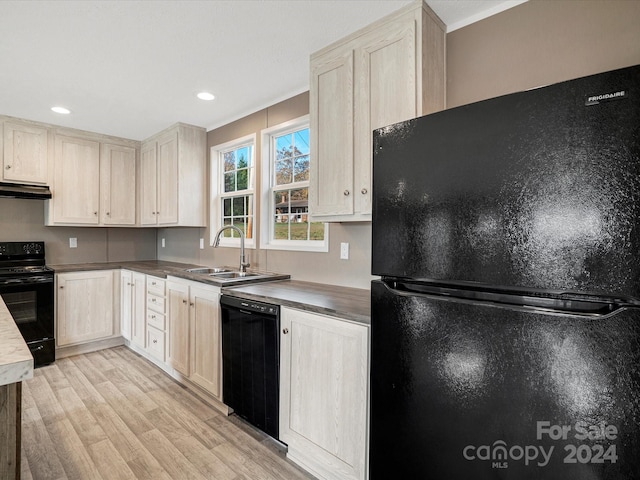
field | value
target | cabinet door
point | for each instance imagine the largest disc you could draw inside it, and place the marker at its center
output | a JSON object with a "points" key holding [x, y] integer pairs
{"points": [[168, 179], [331, 121], [126, 303], [85, 306], [178, 327], [76, 196], [26, 155], [148, 184], [324, 393], [138, 308], [117, 185], [386, 93], [206, 348]]}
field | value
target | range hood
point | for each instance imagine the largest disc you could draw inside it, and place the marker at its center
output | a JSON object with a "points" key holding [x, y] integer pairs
{"points": [[17, 190]]}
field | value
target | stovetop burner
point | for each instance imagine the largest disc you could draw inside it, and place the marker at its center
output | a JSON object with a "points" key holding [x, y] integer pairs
{"points": [[25, 270]]}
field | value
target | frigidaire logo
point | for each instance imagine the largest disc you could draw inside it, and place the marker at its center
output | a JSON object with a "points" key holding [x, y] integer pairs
{"points": [[606, 97]]}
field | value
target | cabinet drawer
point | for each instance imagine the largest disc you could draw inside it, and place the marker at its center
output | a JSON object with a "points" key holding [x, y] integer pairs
{"points": [[155, 303], [155, 285], [155, 343], [156, 320]]}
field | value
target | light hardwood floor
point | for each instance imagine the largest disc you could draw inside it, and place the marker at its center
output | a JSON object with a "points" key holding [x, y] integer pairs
{"points": [[113, 415]]}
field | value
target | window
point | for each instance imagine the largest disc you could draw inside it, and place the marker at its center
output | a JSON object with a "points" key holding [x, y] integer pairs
{"points": [[232, 190], [285, 190]]}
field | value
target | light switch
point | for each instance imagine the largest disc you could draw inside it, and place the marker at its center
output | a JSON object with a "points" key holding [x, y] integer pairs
{"points": [[201, 243], [344, 251], [163, 243], [73, 242]]}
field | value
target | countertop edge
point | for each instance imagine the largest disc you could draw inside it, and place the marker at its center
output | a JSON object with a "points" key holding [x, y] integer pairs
{"points": [[16, 361]]}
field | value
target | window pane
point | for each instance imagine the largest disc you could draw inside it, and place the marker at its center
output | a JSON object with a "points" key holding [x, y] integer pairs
{"points": [[229, 161], [226, 207], [284, 171], [238, 206], [230, 182], [283, 146], [243, 179], [301, 139], [243, 157], [301, 169]]}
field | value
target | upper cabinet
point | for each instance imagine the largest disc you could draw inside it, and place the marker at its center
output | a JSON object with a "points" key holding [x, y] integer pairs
{"points": [[117, 185], [390, 71], [172, 186], [94, 181], [25, 153], [76, 186]]}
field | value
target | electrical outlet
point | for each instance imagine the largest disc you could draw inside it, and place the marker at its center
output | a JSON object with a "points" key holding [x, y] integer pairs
{"points": [[73, 242], [344, 251], [202, 244], [163, 243]]}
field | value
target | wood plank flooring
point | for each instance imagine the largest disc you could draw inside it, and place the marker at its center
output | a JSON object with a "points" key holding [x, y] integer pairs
{"points": [[113, 415]]}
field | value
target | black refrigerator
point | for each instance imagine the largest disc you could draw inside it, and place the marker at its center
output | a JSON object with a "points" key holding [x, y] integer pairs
{"points": [[506, 323]]}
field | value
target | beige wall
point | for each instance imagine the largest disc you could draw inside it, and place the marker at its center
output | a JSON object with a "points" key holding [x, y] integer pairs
{"points": [[536, 43], [23, 220]]}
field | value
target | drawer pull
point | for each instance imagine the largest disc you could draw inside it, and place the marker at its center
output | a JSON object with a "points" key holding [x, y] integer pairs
{"points": [[155, 341]]}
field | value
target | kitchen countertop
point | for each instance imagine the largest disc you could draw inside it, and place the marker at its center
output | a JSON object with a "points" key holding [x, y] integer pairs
{"points": [[344, 302], [16, 362], [162, 269]]}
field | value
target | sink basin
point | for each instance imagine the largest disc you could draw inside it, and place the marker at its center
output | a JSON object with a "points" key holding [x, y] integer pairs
{"points": [[208, 271], [233, 274]]}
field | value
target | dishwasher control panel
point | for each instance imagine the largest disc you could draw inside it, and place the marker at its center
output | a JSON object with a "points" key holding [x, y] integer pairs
{"points": [[250, 305]]}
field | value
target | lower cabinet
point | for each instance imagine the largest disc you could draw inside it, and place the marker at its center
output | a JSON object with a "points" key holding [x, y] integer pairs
{"points": [[132, 307], [324, 393], [194, 345], [85, 307]]}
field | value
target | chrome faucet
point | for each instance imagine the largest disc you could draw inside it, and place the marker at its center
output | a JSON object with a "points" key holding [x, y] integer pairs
{"points": [[216, 243]]}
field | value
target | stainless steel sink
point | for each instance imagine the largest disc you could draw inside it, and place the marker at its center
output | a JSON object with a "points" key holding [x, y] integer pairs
{"points": [[229, 275], [208, 270], [233, 275]]}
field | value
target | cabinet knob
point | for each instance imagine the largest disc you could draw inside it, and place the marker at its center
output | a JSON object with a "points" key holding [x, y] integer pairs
{"points": [[108, 214], [153, 316], [364, 191], [346, 193], [96, 213], [153, 300], [285, 330], [61, 287], [155, 341], [184, 301], [8, 167], [129, 283], [192, 304]]}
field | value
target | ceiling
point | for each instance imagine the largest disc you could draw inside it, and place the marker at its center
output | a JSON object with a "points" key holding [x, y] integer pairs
{"points": [[132, 68]]}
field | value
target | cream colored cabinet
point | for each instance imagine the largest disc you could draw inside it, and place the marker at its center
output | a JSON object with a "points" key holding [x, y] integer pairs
{"points": [[84, 304], [132, 307], [156, 325], [324, 399], [76, 187], [172, 185], [117, 185], [388, 72], [205, 339], [94, 182], [26, 153], [194, 346], [178, 326]]}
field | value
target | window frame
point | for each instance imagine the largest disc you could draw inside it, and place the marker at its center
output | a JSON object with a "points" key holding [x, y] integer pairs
{"points": [[267, 240], [217, 192]]}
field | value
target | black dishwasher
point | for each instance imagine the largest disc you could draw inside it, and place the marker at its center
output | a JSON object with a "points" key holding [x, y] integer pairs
{"points": [[251, 361]]}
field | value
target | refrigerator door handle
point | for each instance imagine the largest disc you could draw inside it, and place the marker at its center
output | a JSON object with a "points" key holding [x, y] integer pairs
{"points": [[548, 302]]}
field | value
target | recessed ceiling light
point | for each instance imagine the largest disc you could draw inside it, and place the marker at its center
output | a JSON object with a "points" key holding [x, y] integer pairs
{"points": [[62, 110], [206, 96]]}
